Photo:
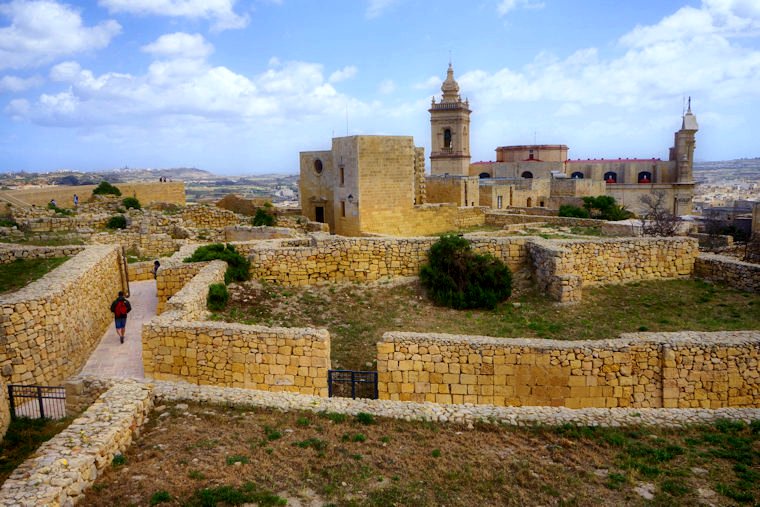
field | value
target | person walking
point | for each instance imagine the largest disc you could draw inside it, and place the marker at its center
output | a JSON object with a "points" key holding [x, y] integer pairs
{"points": [[120, 308], [76, 200]]}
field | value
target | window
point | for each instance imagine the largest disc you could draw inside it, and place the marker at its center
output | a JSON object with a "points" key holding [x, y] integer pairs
{"points": [[541, 204], [447, 138], [577, 175], [610, 177], [483, 176], [530, 155], [530, 202], [645, 177], [342, 208], [498, 202], [342, 176], [318, 166], [526, 174]]}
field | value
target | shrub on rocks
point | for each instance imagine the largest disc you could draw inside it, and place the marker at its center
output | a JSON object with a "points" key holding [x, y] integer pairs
{"points": [[217, 297], [457, 277], [568, 210], [131, 202], [117, 222], [265, 216], [238, 267], [106, 188]]}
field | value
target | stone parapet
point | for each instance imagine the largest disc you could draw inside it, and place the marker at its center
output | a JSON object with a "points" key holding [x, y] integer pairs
{"points": [[642, 370], [720, 268], [49, 328], [62, 468], [10, 253]]}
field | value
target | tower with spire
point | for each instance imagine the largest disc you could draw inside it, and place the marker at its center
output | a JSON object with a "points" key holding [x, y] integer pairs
{"points": [[450, 131]]}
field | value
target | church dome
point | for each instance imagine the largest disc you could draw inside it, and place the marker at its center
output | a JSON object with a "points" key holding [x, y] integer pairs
{"points": [[450, 87]]}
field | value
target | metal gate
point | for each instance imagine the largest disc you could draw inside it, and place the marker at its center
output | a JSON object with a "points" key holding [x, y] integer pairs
{"points": [[352, 384], [37, 402]]}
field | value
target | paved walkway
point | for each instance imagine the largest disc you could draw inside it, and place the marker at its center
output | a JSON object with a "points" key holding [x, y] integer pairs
{"points": [[111, 358]]}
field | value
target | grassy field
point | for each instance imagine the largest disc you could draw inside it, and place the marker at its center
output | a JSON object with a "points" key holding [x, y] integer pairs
{"points": [[274, 458], [358, 315], [21, 272]]}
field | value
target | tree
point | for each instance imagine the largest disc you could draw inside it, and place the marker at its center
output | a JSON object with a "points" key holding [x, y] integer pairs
{"points": [[106, 188], [131, 202], [568, 210], [457, 277], [265, 216], [657, 220], [604, 207]]}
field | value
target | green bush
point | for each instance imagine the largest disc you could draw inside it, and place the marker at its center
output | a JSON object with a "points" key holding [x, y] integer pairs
{"points": [[265, 216], [131, 202], [106, 188], [237, 266], [568, 210], [605, 207], [60, 211], [457, 277], [217, 297], [117, 222], [8, 222]]}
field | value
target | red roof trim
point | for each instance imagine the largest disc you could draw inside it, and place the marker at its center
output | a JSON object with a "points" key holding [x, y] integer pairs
{"points": [[581, 161]]}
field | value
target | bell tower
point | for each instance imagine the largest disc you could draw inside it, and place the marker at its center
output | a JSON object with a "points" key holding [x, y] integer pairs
{"points": [[450, 131]]}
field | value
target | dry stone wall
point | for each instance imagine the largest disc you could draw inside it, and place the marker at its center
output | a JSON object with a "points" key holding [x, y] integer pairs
{"points": [[363, 259], [49, 328], [172, 277], [211, 217], [10, 253], [60, 471], [720, 268], [178, 345], [562, 268], [501, 218], [643, 370]]}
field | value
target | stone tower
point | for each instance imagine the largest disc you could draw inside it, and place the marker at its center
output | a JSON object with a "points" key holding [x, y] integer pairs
{"points": [[450, 131], [684, 146]]}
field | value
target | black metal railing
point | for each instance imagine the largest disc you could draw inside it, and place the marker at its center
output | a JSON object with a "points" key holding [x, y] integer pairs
{"points": [[37, 402], [352, 384]]}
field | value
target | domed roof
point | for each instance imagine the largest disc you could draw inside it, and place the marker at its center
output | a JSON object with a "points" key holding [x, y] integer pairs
{"points": [[450, 87]]}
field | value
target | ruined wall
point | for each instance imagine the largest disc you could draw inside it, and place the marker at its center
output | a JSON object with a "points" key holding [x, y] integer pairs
{"points": [[363, 259], [178, 345], [500, 219], [172, 277], [49, 328], [642, 370], [210, 217], [720, 268], [146, 193], [10, 252], [145, 245], [562, 268]]}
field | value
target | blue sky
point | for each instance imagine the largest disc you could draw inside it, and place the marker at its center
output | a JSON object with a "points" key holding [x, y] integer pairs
{"points": [[240, 87]]}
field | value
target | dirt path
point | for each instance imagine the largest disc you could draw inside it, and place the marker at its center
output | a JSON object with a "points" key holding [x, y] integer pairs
{"points": [[113, 359]]}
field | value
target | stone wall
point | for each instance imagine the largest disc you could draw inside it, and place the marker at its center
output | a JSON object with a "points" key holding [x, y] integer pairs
{"points": [[5, 409], [720, 268], [146, 193], [49, 328], [62, 468], [364, 259], [500, 219], [211, 217], [177, 345], [10, 253], [172, 277], [562, 268], [140, 271], [642, 370], [145, 245]]}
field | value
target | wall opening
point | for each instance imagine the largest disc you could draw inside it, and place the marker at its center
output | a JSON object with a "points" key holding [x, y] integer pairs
{"points": [[318, 166], [447, 139], [484, 176], [645, 177], [342, 176], [498, 202], [343, 208], [530, 202], [319, 213], [577, 175], [526, 174], [610, 177]]}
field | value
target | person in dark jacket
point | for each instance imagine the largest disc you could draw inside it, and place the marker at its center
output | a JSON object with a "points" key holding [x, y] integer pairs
{"points": [[120, 308]]}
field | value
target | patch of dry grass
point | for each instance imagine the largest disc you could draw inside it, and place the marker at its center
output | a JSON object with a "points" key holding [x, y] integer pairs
{"points": [[327, 459], [358, 315]]}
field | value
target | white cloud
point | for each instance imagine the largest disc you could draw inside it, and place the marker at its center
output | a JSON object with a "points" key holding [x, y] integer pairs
{"points": [[506, 6], [429, 83], [180, 45], [386, 87], [43, 31], [342, 74], [15, 84], [377, 7], [177, 87], [221, 12], [693, 51]]}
